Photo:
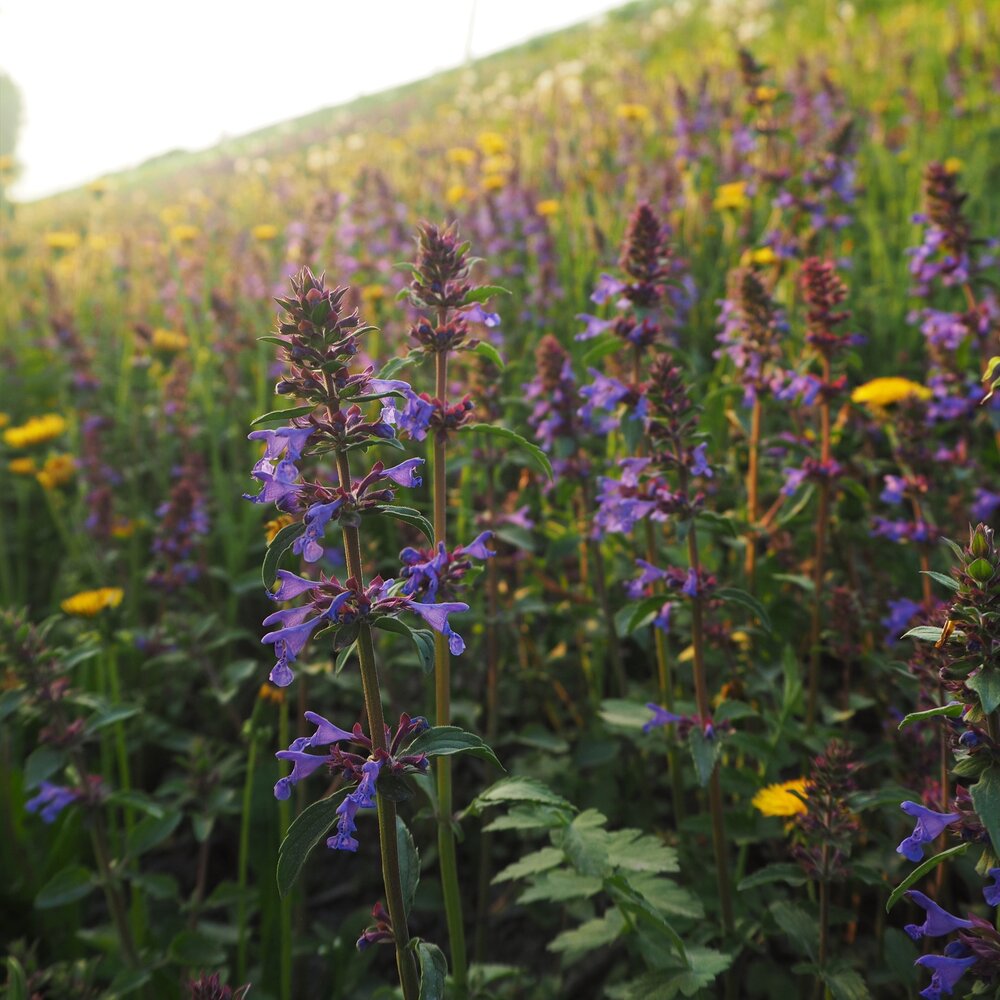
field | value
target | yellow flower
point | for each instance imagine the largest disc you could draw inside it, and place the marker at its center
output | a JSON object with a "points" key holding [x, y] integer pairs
{"points": [[456, 193], [885, 391], [62, 240], [732, 195], [778, 800], [766, 95], [37, 430], [502, 164], [124, 529], [273, 527], [763, 256], [4, 419], [171, 215], [22, 466], [461, 156], [494, 182], [183, 233], [90, 603], [548, 206], [57, 471], [264, 232], [268, 692], [953, 165], [633, 112], [491, 143], [170, 341], [372, 293]]}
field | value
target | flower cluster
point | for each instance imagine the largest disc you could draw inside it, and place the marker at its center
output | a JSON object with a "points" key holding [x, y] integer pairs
{"points": [[430, 574]]}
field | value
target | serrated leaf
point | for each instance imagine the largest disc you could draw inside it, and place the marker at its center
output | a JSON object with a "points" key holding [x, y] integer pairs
{"points": [[560, 885], [704, 753], [150, 831], [736, 596], [593, 934], [947, 581], [633, 903], [518, 790], [801, 928], [705, 965], [277, 416], [781, 871], [527, 818], [585, 843], [308, 828], [638, 852], [488, 351], [952, 710], [280, 544], [531, 864], [408, 515], [536, 457], [667, 896], [986, 800], [409, 864], [66, 886], [433, 970], [445, 741], [845, 984]]}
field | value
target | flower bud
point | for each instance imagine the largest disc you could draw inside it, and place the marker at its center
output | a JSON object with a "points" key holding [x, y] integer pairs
{"points": [[980, 570], [979, 546]]}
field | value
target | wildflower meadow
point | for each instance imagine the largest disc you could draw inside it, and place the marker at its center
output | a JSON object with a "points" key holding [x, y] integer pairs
{"points": [[530, 534]]}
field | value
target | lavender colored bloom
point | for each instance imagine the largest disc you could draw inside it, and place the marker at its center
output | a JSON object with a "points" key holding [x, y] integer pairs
{"points": [[607, 288], [930, 826], [414, 418], [595, 326], [946, 973], [984, 504], [316, 518], [793, 480], [661, 717], [363, 797], [662, 619], [992, 892], [901, 613], [436, 615], [326, 733], [291, 586], [405, 474], [477, 314], [477, 547], [279, 482], [288, 643], [938, 922], [895, 487], [50, 801], [303, 764], [650, 574], [690, 584], [281, 440], [699, 464]]}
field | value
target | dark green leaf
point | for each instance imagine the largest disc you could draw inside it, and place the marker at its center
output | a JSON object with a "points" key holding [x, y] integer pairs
{"points": [[921, 870], [483, 293], [779, 872], [433, 970], [17, 981], [559, 885], [67, 886], [518, 790], [193, 948], [948, 581], [406, 514], [928, 633], [736, 596], [395, 787], [443, 741], [845, 984], [42, 763], [798, 925], [280, 544], [601, 349], [632, 903], [150, 831], [488, 351], [278, 416], [986, 800], [591, 935], [409, 864], [309, 827], [111, 716], [986, 683], [536, 457], [532, 864], [951, 711], [705, 753], [395, 365]]}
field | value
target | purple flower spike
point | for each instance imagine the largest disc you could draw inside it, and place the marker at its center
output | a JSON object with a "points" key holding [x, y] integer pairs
{"points": [[939, 921], [436, 615], [930, 826], [405, 474], [291, 586], [661, 717], [946, 973], [50, 801], [303, 765], [992, 892]]}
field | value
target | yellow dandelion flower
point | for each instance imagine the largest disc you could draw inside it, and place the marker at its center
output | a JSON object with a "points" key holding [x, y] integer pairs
{"points": [[37, 430], [170, 341], [22, 466], [779, 800], [885, 391], [491, 143], [264, 232], [763, 257], [633, 112], [90, 603], [57, 471], [494, 182], [273, 527], [461, 156], [184, 233], [732, 195], [953, 165], [766, 95], [62, 240], [548, 206], [456, 193]]}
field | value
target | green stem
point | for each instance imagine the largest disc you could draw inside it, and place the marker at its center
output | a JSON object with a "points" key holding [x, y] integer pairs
{"points": [[243, 858], [285, 907], [386, 808]]}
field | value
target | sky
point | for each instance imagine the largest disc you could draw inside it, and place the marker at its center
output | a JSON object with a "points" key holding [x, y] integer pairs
{"points": [[107, 84]]}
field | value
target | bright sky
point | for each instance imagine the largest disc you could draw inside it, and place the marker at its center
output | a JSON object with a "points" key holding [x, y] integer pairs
{"points": [[108, 83]]}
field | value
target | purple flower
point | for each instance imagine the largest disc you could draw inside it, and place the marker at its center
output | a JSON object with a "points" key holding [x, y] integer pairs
{"points": [[282, 439], [901, 613], [326, 733], [595, 326], [938, 922], [288, 643], [793, 480], [662, 619], [946, 973], [316, 518], [650, 574], [699, 465], [51, 800], [690, 584], [363, 797], [992, 892], [607, 288], [984, 504], [292, 585], [477, 547], [414, 418], [279, 482], [895, 487], [436, 615], [477, 314], [303, 764], [930, 826], [405, 474], [661, 717]]}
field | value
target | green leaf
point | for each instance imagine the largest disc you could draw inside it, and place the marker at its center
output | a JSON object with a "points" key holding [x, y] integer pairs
{"points": [[640, 909], [601, 349], [409, 864], [845, 984], [626, 714], [736, 596], [986, 800], [798, 925], [948, 581], [309, 827], [527, 818], [111, 716], [591, 935], [637, 615], [667, 896], [921, 870], [396, 365], [518, 790], [986, 683], [433, 970], [423, 639], [408, 515], [486, 350], [536, 457], [639, 852], [704, 753], [951, 711], [150, 831], [532, 864], [705, 965], [928, 633], [17, 981], [780, 872], [191, 947], [444, 741], [64, 887], [585, 843], [280, 544], [278, 416], [484, 293], [560, 885], [41, 764]]}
